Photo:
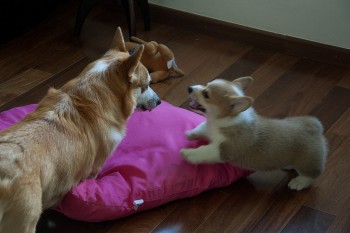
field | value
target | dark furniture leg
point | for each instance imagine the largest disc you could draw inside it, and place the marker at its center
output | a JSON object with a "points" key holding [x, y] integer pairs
{"points": [[84, 9], [130, 16], [143, 4], [86, 6]]}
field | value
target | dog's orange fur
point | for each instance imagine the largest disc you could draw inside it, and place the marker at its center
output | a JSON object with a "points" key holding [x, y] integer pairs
{"points": [[66, 139]]}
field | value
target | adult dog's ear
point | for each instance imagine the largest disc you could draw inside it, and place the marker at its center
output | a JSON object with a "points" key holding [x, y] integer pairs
{"points": [[243, 83], [118, 42], [132, 63]]}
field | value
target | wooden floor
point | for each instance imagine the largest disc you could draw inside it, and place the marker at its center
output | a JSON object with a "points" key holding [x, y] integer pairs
{"points": [[49, 55]]}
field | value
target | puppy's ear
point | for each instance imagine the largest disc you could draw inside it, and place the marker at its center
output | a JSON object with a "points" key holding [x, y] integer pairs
{"points": [[118, 41], [243, 82], [131, 64], [240, 103]]}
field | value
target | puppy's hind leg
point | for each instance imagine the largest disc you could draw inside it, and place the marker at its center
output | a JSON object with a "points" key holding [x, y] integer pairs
{"points": [[308, 169], [300, 182]]}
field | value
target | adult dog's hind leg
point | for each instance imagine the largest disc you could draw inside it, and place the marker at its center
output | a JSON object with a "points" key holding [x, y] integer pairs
{"points": [[23, 208]]}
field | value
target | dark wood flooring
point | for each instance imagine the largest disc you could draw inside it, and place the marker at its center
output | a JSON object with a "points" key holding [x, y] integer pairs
{"points": [[49, 55]]}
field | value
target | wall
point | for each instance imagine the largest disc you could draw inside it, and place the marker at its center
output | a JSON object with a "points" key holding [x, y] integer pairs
{"points": [[323, 21]]}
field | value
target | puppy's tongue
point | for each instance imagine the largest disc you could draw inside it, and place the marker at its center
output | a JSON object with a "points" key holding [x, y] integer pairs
{"points": [[196, 107], [194, 104]]}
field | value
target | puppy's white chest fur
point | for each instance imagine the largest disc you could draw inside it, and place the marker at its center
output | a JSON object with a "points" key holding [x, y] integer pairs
{"points": [[115, 135], [214, 133]]}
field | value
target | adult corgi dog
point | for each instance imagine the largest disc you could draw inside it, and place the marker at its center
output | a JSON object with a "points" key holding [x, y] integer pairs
{"points": [[238, 135], [70, 135]]}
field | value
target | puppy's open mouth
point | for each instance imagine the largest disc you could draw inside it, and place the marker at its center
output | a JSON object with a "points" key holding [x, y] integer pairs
{"points": [[196, 106]]}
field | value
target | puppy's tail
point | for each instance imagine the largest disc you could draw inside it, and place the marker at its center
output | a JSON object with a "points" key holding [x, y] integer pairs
{"points": [[313, 125], [315, 128]]}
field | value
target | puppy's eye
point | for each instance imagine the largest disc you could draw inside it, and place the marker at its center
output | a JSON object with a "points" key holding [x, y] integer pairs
{"points": [[205, 94]]}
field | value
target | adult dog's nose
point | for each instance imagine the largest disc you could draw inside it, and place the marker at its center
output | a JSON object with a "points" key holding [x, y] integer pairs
{"points": [[190, 89]]}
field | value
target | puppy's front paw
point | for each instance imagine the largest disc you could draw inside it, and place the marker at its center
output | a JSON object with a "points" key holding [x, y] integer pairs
{"points": [[190, 135], [300, 182], [191, 156]]}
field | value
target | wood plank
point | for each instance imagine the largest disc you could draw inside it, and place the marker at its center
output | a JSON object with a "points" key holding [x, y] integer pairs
{"points": [[341, 126], [333, 106], [331, 189], [269, 72], [144, 222], [194, 210], [308, 220], [299, 90], [21, 84], [260, 189], [282, 205], [247, 64], [54, 222], [342, 220], [345, 81], [40, 91]]}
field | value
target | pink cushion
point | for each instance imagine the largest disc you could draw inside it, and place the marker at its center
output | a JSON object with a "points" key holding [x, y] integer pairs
{"points": [[146, 166]]}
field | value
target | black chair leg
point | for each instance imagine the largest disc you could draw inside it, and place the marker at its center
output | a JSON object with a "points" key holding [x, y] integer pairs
{"points": [[86, 6], [84, 9], [143, 4], [130, 16]]}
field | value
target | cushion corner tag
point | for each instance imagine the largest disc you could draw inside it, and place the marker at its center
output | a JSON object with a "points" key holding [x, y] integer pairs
{"points": [[137, 203]]}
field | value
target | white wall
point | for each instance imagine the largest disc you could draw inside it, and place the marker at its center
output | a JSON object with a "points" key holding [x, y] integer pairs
{"points": [[323, 21]]}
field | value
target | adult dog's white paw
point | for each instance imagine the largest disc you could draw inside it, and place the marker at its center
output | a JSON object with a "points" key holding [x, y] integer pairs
{"points": [[300, 182]]}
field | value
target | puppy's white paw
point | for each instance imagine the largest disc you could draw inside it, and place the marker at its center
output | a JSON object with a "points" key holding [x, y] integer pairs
{"points": [[300, 182], [191, 156], [190, 135]]}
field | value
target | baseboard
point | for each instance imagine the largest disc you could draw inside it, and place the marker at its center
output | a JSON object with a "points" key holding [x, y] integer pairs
{"points": [[281, 43]]}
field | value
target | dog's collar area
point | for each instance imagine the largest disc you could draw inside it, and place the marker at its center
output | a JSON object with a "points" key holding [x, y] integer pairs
{"points": [[132, 51]]}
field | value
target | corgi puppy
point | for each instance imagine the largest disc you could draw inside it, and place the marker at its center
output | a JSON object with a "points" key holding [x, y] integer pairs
{"points": [[237, 134], [70, 135]]}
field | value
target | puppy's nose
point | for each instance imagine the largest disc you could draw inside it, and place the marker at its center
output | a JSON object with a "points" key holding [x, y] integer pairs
{"points": [[190, 89], [159, 102]]}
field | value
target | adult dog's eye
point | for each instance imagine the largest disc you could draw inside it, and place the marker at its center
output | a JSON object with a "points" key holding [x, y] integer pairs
{"points": [[144, 88], [205, 94]]}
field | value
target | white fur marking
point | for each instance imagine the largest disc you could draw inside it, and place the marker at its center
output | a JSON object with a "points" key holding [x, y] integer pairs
{"points": [[99, 67], [50, 115], [245, 116], [115, 135]]}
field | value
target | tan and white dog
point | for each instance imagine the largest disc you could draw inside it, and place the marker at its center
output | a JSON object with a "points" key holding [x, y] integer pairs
{"points": [[70, 135], [240, 136]]}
